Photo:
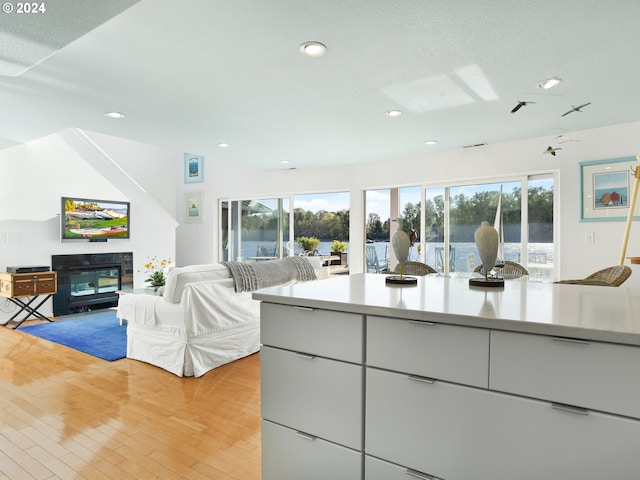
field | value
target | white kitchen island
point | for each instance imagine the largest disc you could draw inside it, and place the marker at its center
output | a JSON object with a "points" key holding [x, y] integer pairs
{"points": [[361, 380]]}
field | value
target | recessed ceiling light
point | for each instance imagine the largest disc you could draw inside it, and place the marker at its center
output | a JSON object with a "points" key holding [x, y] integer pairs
{"points": [[393, 113], [431, 142], [313, 49], [284, 162], [115, 115], [549, 83], [223, 145]]}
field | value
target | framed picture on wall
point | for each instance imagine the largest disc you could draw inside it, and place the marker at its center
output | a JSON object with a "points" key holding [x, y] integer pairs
{"points": [[193, 168], [606, 189], [193, 207]]}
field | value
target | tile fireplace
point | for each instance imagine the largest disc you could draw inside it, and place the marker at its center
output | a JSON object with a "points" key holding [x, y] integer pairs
{"points": [[90, 281]]}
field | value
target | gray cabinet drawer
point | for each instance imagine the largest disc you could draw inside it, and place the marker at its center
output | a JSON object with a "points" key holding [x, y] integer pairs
{"points": [[376, 469], [313, 394], [291, 455], [594, 375], [457, 433], [447, 352], [320, 332]]}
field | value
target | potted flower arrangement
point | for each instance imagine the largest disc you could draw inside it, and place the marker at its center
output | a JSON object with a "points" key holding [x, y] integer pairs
{"points": [[339, 249], [156, 270], [308, 244]]}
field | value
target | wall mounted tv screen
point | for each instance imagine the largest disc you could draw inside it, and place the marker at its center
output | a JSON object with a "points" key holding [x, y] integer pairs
{"points": [[89, 219]]}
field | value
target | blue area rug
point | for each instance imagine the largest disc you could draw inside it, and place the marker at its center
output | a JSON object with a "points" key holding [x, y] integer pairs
{"points": [[99, 334]]}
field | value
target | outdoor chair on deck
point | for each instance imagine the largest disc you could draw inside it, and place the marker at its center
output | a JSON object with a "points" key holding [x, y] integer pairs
{"points": [[373, 264], [510, 270], [415, 268], [609, 277], [266, 251]]}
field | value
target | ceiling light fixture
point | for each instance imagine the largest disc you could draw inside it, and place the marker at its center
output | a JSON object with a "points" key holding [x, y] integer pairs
{"points": [[313, 49], [284, 162], [430, 142], [549, 83], [393, 113], [114, 115], [223, 145]]}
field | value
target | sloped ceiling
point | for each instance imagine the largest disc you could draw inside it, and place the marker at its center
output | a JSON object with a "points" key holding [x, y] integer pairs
{"points": [[192, 74]]}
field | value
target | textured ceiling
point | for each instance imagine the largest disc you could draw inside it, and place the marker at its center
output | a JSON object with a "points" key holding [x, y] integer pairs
{"points": [[32, 31], [195, 73]]}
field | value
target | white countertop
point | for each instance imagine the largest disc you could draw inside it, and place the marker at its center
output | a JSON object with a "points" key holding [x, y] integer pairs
{"points": [[610, 314]]}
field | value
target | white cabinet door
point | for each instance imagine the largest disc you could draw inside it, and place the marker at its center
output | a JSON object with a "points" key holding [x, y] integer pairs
{"points": [[447, 352], [290, 455], [596, 375], [459, 433], [320, 332], [313, 394]]}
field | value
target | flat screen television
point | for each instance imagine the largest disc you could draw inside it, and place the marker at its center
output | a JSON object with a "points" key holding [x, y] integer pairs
{"points": [[94, 220]]}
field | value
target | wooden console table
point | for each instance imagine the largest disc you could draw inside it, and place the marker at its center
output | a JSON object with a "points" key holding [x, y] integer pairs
{"points": [[16, 286]]}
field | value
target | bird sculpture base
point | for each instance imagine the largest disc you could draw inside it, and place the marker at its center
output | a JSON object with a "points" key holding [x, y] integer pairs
{"points": [[401, 280], [487, 282]]}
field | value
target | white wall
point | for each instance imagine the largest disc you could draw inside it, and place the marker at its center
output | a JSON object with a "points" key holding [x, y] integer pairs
{"points": [[33, 178], [576, 258]]}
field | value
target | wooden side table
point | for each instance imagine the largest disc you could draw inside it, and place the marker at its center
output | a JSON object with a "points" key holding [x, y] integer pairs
{"points": [[16, 286]]}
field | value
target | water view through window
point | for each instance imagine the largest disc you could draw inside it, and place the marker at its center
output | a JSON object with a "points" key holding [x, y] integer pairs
{"points": [[452, 214]]}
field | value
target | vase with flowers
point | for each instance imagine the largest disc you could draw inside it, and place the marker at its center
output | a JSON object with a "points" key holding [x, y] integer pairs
{"points": [[156, 268]]}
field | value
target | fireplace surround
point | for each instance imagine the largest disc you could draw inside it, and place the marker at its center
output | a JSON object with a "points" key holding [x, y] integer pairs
{"points": [[90, 281]]}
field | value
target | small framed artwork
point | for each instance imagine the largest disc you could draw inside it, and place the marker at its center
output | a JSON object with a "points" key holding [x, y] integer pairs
{"points": [[193, 207], [193, 168], [606, 189]]}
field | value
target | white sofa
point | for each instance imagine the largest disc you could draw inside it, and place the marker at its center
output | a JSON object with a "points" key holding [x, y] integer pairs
{"points": [[198, 323]]}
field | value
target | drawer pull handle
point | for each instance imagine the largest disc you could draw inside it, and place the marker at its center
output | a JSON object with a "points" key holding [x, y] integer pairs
{"points": [[570, 340], [417, 378], [424, 324], [570, 409], [305, 355], [306, 436], [417, 474], [307, 309]]}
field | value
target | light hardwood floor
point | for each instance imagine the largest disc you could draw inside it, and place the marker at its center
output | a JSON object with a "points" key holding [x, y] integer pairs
{"points": [[68, 415]]}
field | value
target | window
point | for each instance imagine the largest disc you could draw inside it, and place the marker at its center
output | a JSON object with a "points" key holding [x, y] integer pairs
{"points": [[381, 207], [264, 229], [453, 213], [321, 215], [254, 229]]}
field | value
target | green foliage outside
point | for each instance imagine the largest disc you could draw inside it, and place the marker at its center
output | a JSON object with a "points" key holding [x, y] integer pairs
{"points": [[466, 213], [338, 246], [326, 226], [308, 244]]}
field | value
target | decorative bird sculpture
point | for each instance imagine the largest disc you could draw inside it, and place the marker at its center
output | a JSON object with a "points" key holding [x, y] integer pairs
{"points": [[401, 244], [552, 150], [576, 109], [520, 105]]}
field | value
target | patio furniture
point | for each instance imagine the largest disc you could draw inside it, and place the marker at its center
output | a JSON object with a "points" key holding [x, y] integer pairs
{"points": [[439, 252], [373, 264]]}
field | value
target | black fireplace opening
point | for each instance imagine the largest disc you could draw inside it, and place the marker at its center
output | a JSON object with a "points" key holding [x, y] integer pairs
{"points": [[90, 281]]}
